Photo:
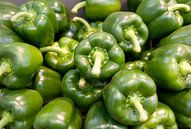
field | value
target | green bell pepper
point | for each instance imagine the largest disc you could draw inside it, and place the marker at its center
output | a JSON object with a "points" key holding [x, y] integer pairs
{"points": [[35, 22], [181, 35], [130, 98], [98, 9], [129, 30], [48, 83], [99, 56], [97, 117], [8, 35], [60, 56], [164, 18], [162, 118], [132, 5], [81, 90], [59, 113], [180, 104], [169, 66], [18, 108], [137, 64], [18, 63]]}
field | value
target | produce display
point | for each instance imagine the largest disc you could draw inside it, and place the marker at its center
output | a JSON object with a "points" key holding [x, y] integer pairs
{"points": [[102, 64]]}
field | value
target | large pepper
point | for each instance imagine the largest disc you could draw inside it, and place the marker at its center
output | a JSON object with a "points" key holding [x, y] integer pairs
{"points": [[129, 30], [130, 97], [81, 90], [162, 118], [169, 66], [8, 35], [98, 118], [164, 18], [18, 108], [59, 113], [48, 83], [180, 104], [181, 35], [132, 5], [98, 9], [99, 56], [35, 22], [60, 56], [18, 63]]}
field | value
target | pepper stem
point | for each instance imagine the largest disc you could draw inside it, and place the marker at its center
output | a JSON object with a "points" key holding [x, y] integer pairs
{"points": [[159, 127], [5, 67], [185, 68], [54, 49], [6, 118], [176, 7], [136, 46], [82, 83], [78, 6], [84, 22], [96, 69], [142, 113], [21, 14]]}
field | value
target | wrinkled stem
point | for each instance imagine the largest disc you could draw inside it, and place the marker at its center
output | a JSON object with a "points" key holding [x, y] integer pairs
{"points": [[96, 69], [185, 68], [54, 49], [82, 83], [84, 22], [21, 14], [133, 37], [78, 6], [5, 67], [6, 118], [183, 7], [159, 127]]}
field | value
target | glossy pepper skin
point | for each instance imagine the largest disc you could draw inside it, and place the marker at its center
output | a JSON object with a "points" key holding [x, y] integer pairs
{"points": [[48, 83], [19, 107], [60, 55], [98, 9], [129, 30], [98, 118], [127, 99], [137, 64], [169, 66], [99, 56], [180, 104], [181, 35], [59, 113], [165, 13], [163, 118], [81, 90], [18, 64], [132, 5], [35, 22], [8, 35]]}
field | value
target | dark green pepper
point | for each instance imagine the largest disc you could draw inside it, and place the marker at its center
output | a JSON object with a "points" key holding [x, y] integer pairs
{"points": [[60, 56], [81, 90], [98, 118], [8, 35], [130, 98], [99, 56], [98, 9], [164, 18], [18, 63], [137, 64], [18, 108], [129, 30], [59, 113], [35, 22], [169, 66], [180, 104], [132, 5], [162, 118], [48, 83]]}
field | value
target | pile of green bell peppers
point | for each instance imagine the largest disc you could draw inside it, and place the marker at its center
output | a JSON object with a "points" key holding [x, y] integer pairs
{"points": [[119, 65]]}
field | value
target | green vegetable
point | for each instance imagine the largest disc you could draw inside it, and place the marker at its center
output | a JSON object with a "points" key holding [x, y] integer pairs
{"points": [[180, 104], [18, 108], [99, 56], [162, 118], [137, 64], [60, 56], [59, 113], [169, 66], [48, 83], [164, 18], [98, 118], [132, 5], [18, 63], [35, 22], [81, 90], [98, 9], [129, 30], [130, 98]]}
